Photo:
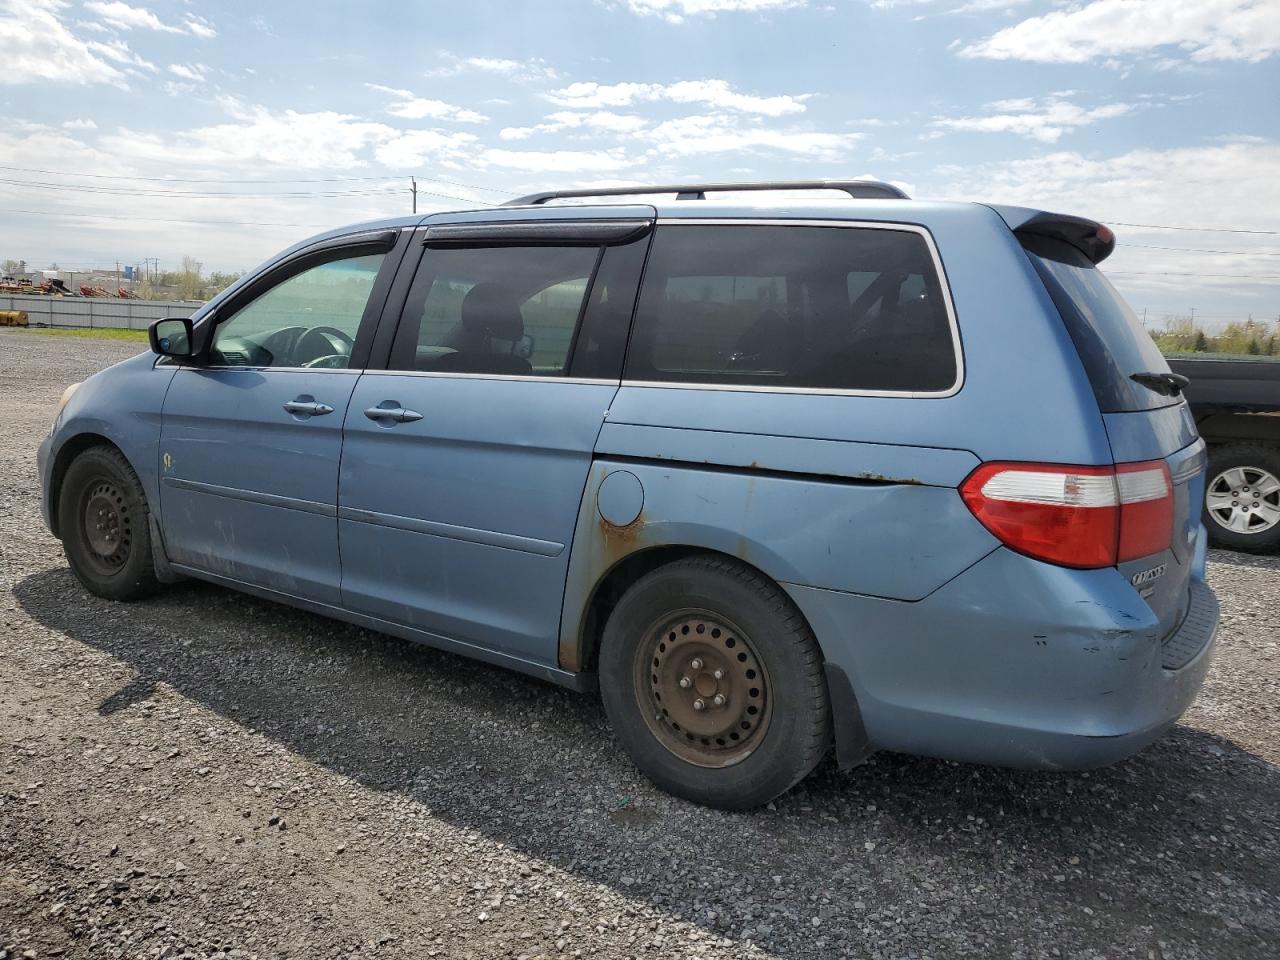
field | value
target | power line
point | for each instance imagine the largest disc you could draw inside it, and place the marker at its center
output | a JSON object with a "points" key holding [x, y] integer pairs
{"points": [[107, 216], [122, 176], [1179, 273], [1157, 226], [119, 176], [219, 195], [188, 194], [1238, 253]]}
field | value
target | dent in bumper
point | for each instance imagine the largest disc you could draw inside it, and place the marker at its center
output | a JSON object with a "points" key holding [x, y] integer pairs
{"points": [[1015, 662]]}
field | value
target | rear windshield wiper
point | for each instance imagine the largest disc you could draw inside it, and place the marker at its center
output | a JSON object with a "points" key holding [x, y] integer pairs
{"points": [[1166, 384]]}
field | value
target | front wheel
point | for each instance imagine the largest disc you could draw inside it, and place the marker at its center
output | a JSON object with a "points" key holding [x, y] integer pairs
{"points": [[104, 522], [1242, 497], [714, 683]]}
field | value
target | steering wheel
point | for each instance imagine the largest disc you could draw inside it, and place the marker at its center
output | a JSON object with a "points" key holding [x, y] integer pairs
{"points": [[326, 346]]}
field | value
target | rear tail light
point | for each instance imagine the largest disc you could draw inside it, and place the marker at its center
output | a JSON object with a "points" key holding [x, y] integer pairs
{"points": [[1075, 516]]}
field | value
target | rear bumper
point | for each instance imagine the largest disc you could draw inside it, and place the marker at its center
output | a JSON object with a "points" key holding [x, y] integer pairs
{"points": [[1014, 663]]}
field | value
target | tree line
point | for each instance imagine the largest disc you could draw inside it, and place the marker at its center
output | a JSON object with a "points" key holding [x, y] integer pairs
{"points": [[1250, 338]]}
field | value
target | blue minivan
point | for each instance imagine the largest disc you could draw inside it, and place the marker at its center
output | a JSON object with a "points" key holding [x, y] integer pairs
{"points": [[776, 475]]}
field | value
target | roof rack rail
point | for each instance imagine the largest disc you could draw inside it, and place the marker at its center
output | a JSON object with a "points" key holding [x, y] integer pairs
{"points": [[858, 189]]}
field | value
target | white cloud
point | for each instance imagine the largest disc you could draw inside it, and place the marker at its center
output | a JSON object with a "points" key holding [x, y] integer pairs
{"points": [[122, 16], [412, 107], [79, 124], [189, 71], [199, 27], [38, 47], [257, 136], [534, 68], [416, 148], [1231, 185], [601, 121], [713, 93], [556, 161], [1045, 120], [985, 6], [125, 17], [119, 51], [674, 11], [720, 133], [1206, 29]]}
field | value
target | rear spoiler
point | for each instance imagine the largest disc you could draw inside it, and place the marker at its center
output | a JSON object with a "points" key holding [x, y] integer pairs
{"points": [[1091, 238]]}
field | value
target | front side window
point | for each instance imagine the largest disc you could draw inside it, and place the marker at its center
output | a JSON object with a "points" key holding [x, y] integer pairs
{"points": [[308, 320], [838, 308], [495, 310]]}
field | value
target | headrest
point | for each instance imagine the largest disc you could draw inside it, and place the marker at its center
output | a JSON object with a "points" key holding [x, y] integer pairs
{"points": [[491, 310], [919, 316]]}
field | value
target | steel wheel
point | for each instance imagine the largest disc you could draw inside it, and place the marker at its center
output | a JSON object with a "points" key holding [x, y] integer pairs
{"points": [[704, 691], [1244, 499], [106, 526]]}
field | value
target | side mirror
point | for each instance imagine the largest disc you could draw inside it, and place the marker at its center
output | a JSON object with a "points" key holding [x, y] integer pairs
{"points": [[171, 338]]}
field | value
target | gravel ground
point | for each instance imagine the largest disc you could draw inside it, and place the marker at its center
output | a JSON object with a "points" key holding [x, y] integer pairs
{"points": [[208, 775]]}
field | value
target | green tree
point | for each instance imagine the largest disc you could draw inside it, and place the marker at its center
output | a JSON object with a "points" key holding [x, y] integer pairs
{"points": [[188, 279], [1202, 342], [218, 282]]}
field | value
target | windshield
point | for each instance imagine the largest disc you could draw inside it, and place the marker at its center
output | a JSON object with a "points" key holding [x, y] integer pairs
{"points": [[1110, 339]]}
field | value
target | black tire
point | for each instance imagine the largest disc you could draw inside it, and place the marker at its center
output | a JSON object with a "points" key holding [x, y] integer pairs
{"points": [[1254, 459], [795, 727], [105, 526]]}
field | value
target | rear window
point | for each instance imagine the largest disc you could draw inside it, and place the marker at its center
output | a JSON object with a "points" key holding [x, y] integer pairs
{"points": [[1107, 334], [839, 308]]}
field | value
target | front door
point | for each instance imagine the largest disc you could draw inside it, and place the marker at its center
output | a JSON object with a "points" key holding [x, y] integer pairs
{"points": [[250, 443], [464, 463]]}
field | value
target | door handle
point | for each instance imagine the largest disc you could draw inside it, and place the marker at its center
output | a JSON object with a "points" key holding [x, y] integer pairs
{"points": [[396, 414], [309, 408]]}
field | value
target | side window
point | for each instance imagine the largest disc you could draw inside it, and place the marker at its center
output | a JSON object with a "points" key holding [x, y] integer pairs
{"points": [[308, 320], [500, 310], [841, 308]]}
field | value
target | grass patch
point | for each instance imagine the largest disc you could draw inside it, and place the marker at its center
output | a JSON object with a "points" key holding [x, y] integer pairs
{"points": [[97, 333]]}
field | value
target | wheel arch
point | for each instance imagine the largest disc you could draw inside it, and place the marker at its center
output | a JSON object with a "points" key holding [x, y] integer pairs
{"points": [[70, 449], [849, 733]]}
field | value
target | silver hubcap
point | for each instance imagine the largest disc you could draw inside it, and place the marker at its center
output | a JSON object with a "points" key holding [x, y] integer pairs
{"points": [[1244, 499]]}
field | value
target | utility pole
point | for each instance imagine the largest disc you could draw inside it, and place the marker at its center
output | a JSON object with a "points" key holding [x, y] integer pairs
{"points": [[413, 185]]}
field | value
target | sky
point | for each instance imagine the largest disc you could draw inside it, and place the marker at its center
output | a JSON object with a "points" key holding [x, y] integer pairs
{"points": [[227, 131]]}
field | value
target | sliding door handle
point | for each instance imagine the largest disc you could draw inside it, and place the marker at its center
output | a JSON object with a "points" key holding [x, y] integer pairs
{"points": [[396, 414]]}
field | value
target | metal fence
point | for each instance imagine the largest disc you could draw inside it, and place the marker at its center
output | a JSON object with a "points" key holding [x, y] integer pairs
{"points": [[95, 311]]}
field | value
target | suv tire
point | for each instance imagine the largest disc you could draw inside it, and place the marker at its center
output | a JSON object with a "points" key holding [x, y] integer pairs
{"points": [[1246, 464], [105, 526], [714, 683]]}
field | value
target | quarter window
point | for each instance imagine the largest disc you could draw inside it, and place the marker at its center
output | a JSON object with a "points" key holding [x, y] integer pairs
{"points": [[308, 320], [497, 310], [810, 307]]}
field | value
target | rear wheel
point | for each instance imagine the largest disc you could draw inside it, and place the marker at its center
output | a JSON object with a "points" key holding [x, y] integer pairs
{"points": [[104, 521], [1242, 497], [714, 683]]}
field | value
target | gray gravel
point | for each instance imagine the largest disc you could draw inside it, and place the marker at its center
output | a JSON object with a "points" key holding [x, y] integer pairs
{"points": [[208, 775]]}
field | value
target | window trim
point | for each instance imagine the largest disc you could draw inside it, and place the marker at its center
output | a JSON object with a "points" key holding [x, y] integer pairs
{"points": [[329, 250], [957, 345]]}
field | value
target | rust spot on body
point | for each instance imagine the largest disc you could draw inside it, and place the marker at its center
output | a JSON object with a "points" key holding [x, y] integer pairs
{"points": [[881, 478], [616, 537]]}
